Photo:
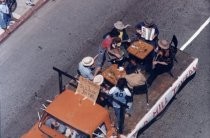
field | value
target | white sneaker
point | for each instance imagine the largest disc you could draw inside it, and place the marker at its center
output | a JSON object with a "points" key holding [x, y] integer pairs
{"points": [[29, 3], [11, 22]]}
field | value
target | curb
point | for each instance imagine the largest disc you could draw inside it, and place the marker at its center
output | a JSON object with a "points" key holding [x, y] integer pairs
{"points": [[22, 19]]}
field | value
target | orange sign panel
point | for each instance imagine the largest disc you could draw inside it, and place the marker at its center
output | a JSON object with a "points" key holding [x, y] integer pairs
{"points": [[88, 89]]}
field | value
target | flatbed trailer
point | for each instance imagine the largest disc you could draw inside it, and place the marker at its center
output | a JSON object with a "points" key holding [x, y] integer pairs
{"points": [[162, 90], [160, 93]]}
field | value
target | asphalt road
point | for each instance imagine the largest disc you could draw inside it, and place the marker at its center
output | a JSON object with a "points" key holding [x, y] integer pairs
{"points": [[64, 31]]}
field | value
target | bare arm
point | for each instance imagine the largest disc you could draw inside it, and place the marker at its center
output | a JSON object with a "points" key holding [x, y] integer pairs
{"points": [[113, 53]]}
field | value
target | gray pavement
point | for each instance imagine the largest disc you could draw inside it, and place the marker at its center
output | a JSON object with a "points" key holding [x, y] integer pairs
{"points": [[21, 14], [64, 31]]}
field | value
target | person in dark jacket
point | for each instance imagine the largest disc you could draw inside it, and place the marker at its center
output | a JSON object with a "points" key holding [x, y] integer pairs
{"points": [[162, 62], [136, 81], [120, 29], [147, 23]]}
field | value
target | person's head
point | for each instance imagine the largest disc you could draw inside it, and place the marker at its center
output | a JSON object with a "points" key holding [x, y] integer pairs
{"points": [[148, 22], [120, 26], [163, 44], [121, 83], [98, 79], [131, 67], [55, 124], [87, 61], [138, 28], [115, 41]]}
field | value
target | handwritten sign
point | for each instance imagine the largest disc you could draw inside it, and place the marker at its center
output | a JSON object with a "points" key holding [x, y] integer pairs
{"points": [[88, 89]]}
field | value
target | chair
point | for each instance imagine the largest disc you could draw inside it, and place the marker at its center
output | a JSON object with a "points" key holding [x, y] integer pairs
{"points": [[173, 49]]}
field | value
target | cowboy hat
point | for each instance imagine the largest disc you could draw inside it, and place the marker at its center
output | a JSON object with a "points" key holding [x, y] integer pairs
{"points": [[120, 26], [98, 79], [164, 44], [87, 61]]}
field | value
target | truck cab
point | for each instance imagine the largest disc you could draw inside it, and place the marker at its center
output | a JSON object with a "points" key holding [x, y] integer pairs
{"points": [[79, 118]]}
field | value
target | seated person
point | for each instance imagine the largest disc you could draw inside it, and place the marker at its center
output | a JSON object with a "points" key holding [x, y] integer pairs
{"points": [[104, 48], [135, 79], [132, 63], [120, 28], [72, 133], [148, 23], [104, 88], [86, 68], [116, 55], [163, 61], [120, 31], [54, 124]]}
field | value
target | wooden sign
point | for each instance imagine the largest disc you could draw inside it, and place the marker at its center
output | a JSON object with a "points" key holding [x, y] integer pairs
{"points": [[88, 89]]}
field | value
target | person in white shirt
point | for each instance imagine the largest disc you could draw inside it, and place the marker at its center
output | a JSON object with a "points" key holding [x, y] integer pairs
{"points": [[54, 124], [4, 15], [119, 93]]}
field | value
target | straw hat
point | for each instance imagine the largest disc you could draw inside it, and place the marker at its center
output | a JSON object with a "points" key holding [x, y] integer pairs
{"points": [[164, 44], [120, 26], [98, 79], [87, 61]]}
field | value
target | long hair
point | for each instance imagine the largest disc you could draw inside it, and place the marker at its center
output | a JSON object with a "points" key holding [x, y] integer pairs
{"points": [[121, 84], [116, 40]]}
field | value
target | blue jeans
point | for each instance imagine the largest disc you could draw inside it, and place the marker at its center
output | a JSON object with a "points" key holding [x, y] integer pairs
{"points": [[5, 20], [101, 57], [119, 112]]}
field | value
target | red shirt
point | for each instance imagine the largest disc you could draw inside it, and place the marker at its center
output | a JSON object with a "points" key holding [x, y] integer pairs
{"points": [[106, 43]]}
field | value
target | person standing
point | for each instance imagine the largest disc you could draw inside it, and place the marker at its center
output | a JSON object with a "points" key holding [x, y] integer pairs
{"points": [[119, 93], [4, 15]]}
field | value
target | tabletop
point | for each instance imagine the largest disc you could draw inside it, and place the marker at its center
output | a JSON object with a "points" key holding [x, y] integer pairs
{"points": [[112, 73], [140, 49]]}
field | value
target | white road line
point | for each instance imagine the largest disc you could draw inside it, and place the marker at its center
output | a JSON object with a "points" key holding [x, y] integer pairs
{"points": [[196, 34]]}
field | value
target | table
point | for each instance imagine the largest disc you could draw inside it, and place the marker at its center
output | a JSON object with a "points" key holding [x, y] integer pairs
{"points": [[112, 74], [140, 49]]}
